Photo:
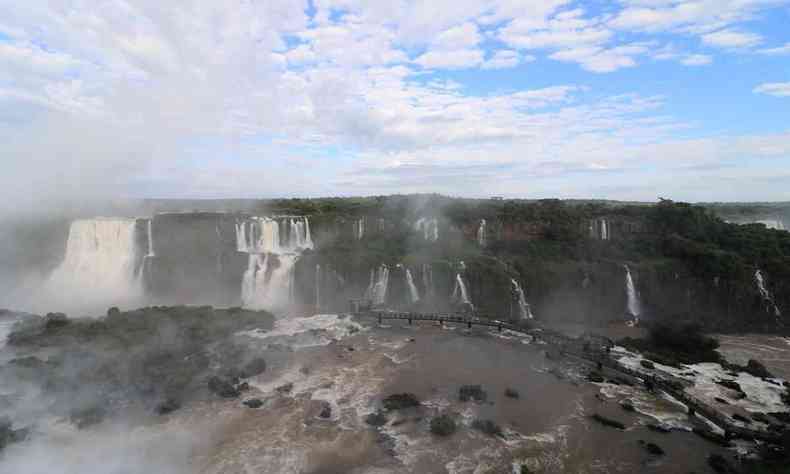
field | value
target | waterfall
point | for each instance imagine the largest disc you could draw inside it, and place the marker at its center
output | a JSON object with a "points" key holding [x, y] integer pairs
{"points": [[100, 263], [427, 280], [429, 228], [274, 245], [377, 289], [525, 312], [150, 238], [359, 228], [481, 233], [604, 230], [317, 286], [413, 293], [460, 295], [765, 294], [634, 307]]}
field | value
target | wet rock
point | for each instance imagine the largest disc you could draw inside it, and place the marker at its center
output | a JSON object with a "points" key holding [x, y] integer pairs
{"points": [[720, 465], [472, 392], [658, 428], [647, 364], [721, 400], [443, 425], [88, 416], [756, 368], [253, 403], [627, 406], [607, 421], [512, 393], [284, 389], [376, 419], [731, 384], [168, 406], [652, 448], [254, 367], [400, 401], [8, 435], [712, 437], [742, 419], [595, 377], [222, 387], [487, 426]]}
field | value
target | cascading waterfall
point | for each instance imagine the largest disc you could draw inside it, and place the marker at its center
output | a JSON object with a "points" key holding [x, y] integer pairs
{"points": [[460, 294], [100, 262], [428, 227], [481, 233], [765, 294], [427, 280], [377, 289], [274, 245], [604, 230], [525, 312], [317, 286], [413, 293], [149, 255], [634, 307], [359, 228]]}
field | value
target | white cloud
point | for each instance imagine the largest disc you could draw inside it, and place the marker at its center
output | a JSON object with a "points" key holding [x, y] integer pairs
{"points": [[732, 39], [697, 60], [600, 60], [778, 89], [780, 50], [458, 59], [458, 37]]}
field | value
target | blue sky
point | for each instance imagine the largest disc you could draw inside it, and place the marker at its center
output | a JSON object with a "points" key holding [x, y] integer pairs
{"points": [[625, 99]]}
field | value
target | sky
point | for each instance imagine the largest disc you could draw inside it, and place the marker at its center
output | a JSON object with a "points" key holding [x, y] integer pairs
{"points": [[621, 99]]}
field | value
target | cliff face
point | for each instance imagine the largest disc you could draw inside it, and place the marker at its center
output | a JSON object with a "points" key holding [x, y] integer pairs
{"points": [[570, 265]]}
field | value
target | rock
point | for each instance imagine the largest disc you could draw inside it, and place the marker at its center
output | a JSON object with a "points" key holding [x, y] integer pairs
{"points": [[512, 393], [487, 426], [253, 403], [400, 401], [524, 469], [55, 321], [443, 425], [168, 406], [472, 392], [350, 349], [318, 409], [720, 465], [608, 421], [742, 419], [595, 377], [284, 389], [326, 411], [781, 416], [84, 417], [647, 364], [243, 387], [8, 435], [658, 428], [756, 368], [376, 419], [721, 400], [731, 384], [222, 387], [627, 406], [761, 417], [712, 437], [254, 367], [652, 448]]}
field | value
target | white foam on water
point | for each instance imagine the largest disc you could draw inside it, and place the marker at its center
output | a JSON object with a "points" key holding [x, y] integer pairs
{"points": [[302, 332]]}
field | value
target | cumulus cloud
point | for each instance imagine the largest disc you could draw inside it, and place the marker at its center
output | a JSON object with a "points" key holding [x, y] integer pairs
{"points": [[778, 89], [731, 39]]}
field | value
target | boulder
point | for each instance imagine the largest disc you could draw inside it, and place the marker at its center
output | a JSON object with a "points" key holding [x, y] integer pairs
{"points": [[720, 465], [647, 364], [741, 418], [652, 448], [222, 387], [712, 437], [627, 406], [400, 401], [595, 377], [756, 368], [254, 367], [472, 392], [253, 403], [731, 384], [443, 425], [608, 421], [376, 419], [721, 400], [487, 426]]}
